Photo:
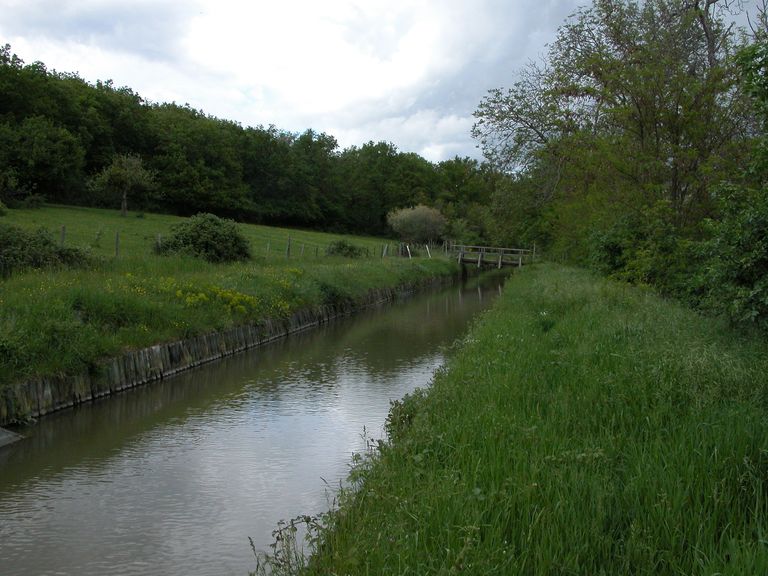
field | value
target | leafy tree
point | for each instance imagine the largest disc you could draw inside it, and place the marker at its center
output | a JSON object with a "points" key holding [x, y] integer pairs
{"points": [[637, 103], [419, 224], [124, 177], [736, 275]]}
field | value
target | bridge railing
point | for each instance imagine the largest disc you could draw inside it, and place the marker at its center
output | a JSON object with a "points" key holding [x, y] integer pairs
{"points": [[493, 255]]}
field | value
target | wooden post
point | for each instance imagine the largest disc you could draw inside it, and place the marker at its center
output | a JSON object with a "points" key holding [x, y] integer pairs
{"points": [[428, 252], [302, 249], [533, 257], [479, 258], [63, 235], [461, 255], [501, 255], [159, 242], [386, 249], [267, 252], [117, 244], [288, 248], [520, 261], [409, 251]]}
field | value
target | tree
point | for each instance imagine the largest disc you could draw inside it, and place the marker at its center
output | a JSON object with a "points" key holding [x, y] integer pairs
{"points": [[125, 176], [419, 224], [637, 104]]}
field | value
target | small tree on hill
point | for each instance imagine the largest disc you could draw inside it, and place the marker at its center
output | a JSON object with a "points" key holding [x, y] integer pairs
{"points": [[419, 224], [125, 176]]}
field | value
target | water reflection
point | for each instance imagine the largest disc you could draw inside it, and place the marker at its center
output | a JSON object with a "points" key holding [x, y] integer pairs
{"points": [[172, 478]]}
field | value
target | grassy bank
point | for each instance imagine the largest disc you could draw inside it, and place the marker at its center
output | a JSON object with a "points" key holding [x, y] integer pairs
{"points": [[65, 321], [583, 427]]}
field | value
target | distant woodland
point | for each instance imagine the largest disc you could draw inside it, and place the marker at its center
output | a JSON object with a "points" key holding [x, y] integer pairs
{"points": [[69, 141]]}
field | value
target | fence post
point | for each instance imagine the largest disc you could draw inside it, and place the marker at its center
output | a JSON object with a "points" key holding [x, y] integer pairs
{"points": [[302, 249], [159, 243], [407, 247], [267, 252], [428, 252], [533, 257], [288, 248]]}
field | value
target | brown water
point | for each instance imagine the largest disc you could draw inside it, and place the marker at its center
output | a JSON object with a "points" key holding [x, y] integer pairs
{"points": [[173, 478]]}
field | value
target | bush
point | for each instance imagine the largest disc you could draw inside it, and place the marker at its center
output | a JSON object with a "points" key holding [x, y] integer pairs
{"points": [[419, 224], [3, 209], [207, 236], [33, 201], [22, 250], [344, 248], [737, 272]]}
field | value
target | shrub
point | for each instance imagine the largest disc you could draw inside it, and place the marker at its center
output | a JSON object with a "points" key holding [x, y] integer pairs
{"points": [[22, 250], [419, 224], [344, 248], [33, 201], [737, 272], [3, 209], [207, 236]]}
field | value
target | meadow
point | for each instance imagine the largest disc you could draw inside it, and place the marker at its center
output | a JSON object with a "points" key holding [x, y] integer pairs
{"points": [[62, 321], [582, 427]]}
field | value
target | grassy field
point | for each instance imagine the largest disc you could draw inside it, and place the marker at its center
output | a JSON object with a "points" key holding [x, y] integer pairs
{"points": [[583, 427], [66, 321], [96, 229]]}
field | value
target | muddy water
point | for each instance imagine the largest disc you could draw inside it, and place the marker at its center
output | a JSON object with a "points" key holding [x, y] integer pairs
{"points": [[174, 477]]}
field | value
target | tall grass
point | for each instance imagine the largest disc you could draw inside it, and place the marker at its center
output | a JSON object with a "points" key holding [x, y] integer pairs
{"points": [[583, 427]]}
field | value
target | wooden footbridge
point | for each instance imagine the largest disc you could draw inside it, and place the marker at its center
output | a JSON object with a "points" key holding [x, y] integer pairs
{"points": [[488, 256]]}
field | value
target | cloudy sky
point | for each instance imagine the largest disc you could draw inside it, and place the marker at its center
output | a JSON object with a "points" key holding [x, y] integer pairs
{"points": [[406, 71]]}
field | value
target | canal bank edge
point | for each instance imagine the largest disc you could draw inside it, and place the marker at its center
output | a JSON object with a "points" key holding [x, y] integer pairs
{"points": [[34, 398]]}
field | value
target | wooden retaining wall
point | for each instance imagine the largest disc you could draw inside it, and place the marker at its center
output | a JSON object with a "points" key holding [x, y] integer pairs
{"points": [[32, 399]]}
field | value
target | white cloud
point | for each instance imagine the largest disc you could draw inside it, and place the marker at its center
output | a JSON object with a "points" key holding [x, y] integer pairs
{"points": [[406, 71]]}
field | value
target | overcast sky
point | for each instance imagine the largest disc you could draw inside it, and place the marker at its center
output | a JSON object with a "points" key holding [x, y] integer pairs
{"points": [[406, 71]]}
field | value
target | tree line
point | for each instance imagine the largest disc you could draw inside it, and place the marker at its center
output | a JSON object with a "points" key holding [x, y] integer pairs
{"points": [[637, 145], [69, 141]]}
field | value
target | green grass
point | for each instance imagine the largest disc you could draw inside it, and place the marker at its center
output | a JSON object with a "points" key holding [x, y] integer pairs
{"points": [[67, 321], [96, 229], [583, 427]]}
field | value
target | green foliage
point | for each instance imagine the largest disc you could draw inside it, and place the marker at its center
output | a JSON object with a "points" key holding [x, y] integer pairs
{"points": [[3, 209], [32, 202], [22, 250], [207, 236], [346, 249], [124, 177], [737, 257], [619, 136], [79, 143], [583, 427], [419, 224]]}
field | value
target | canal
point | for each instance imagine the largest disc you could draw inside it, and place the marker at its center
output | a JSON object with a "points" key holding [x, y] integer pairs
{"points": [[174, 477]]}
